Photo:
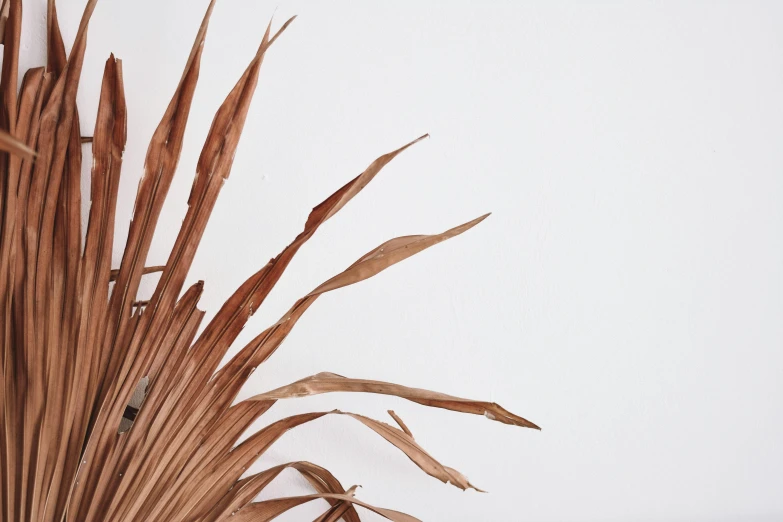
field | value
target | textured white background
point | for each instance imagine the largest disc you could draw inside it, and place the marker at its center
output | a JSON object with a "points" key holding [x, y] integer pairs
{"points": [[627, 293]]}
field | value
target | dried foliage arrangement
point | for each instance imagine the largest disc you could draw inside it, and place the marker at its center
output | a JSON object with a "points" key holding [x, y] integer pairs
{"points": [[76, 342]]}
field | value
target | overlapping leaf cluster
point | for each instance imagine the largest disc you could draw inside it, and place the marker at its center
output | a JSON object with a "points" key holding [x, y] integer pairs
{"points": [[76, 341]]}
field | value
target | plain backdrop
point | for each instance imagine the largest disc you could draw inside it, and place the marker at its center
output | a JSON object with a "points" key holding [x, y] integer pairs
{"points": [[626, 294]]}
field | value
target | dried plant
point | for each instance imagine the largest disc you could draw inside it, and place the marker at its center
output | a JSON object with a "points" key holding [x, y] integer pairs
{"points": [[76, 342]]}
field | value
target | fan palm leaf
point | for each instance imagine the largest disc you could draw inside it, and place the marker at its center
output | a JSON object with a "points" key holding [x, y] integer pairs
{"points": [[77, 341]]}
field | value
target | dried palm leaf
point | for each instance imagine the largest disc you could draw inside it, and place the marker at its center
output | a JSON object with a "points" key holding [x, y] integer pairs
{"points": [[74, 347]]}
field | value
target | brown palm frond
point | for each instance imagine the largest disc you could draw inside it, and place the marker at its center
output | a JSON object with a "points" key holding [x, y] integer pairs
{"points": [[80, 440]]}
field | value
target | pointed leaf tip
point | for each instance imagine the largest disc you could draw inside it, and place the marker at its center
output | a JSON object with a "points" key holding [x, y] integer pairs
{"points": [[411, 143], [14, 146], [282, 28]]}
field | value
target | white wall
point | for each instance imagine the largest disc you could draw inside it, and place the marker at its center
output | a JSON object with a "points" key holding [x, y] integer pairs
{"points": [[626, 294]]}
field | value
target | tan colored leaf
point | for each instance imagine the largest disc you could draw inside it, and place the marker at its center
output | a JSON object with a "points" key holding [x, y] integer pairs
{"points": [[390, 253], [372, 263], [10, 144], [11, 23], [330, 382], [231, 467], [213, 169], [159, 167], [215, 340], [271, 509], [400, 423], [77, 339], [244, 491], [55, 48], [416, 453]]}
